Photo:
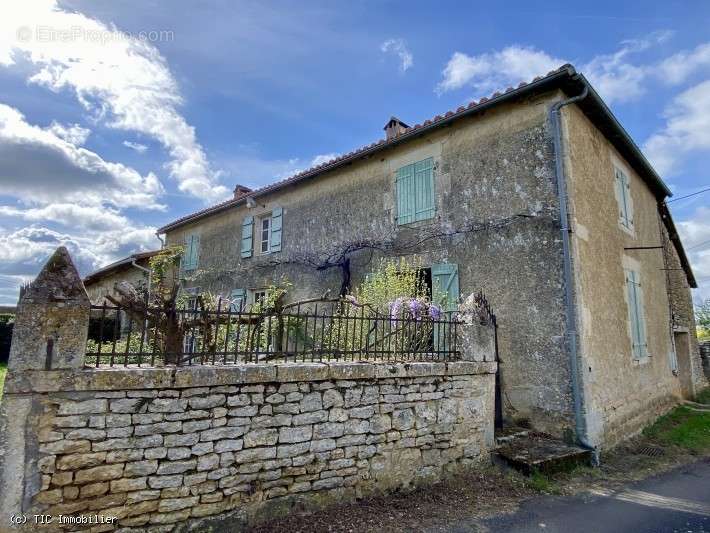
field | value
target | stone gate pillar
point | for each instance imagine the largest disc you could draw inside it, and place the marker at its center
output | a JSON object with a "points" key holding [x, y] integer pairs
{"points": [[50, 333], [52, 319]]}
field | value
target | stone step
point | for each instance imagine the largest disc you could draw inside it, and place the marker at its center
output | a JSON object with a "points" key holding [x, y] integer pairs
{"points": [[541, 453]]}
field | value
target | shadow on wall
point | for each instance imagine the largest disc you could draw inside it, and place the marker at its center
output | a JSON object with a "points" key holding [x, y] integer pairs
{"points": [[7, 322]]}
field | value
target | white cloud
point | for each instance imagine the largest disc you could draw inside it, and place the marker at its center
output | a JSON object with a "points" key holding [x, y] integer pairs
{"points": [[496, 70], [90, 217], [399, 48], [687, 129], [39, 166], [679, 67], [323, 158], [123, 81], [694, 232], [72, 133], [137, 147]]}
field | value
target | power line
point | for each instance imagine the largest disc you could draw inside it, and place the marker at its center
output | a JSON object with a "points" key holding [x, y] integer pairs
{"points": [[688, 195], [698, 245]]}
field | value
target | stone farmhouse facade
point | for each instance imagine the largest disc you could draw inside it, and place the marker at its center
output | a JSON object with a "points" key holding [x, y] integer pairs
{"points": [[133, 269], [538, 197]]}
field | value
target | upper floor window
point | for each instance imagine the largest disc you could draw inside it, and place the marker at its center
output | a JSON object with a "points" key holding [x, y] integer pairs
{"points": [[265, 235], [266, 231], [191, 254], [415, 191], [623, 197]]}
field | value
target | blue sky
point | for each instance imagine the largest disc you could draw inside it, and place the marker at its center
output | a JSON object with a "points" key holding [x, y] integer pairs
{"points": [[117, 117]]}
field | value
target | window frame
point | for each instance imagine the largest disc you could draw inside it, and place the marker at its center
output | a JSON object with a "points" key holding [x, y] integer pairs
{"points": [[260, 229], [408, 180], [622, 186]]}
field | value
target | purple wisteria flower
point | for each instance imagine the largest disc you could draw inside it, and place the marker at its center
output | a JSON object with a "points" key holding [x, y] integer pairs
{"points": [[434, 312], [395, 308], [415, 306]]}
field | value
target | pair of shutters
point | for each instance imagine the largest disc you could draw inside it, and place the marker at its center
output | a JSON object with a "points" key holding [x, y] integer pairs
{"points": [[415, 192], [190, 257], [247, 247], [623, 191], [636, 315]]}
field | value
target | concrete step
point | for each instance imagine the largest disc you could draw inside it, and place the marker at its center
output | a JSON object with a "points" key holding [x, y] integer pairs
{"points": [[541, 453], [507, 435]]}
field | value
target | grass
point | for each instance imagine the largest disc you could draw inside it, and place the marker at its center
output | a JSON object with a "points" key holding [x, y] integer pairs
{"points": [[684, 428], [704, 396], [542, 483], [3, 371]]}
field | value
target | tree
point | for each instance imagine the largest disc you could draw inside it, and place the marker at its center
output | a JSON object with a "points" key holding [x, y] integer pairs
{"points": [[702, 318]]}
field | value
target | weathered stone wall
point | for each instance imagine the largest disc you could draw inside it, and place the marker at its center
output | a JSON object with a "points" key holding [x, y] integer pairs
{"points": [[177, 447], [622, 394], [497, 166]]}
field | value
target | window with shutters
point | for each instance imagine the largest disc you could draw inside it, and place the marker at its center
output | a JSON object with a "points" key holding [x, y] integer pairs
{"points": [[623, 197], [263, 235], [191, 254], [237, 300], [415, 192], [637, 319]]}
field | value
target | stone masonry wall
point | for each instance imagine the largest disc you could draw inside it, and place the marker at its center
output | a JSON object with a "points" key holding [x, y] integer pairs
{"points": [[167, 449]]}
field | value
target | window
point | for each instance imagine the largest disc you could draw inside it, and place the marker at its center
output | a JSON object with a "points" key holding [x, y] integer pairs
{"points": [[237, 300], [265, 235], [637, 319], [266, 231], [415, 192], [259, 296], [623, 197], [191, 254]]}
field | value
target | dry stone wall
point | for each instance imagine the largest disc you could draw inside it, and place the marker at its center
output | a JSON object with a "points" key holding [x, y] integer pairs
{"points": [[150, 453]]}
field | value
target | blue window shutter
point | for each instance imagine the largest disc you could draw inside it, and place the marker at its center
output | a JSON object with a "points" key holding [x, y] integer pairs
{"points": [[623, 189], [405, 194], [276, 225], [636, 315], [238, 298], [247, 236], [424, 186], [195, 251], [445, 285], [191, 252]]}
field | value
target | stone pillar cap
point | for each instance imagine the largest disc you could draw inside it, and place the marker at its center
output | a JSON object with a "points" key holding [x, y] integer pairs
{"points": [[58, 281]]}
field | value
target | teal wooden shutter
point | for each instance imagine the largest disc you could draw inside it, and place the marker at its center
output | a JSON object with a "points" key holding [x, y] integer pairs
{"points": [[445, 293], [405, 195], [445, 285], [276, 225], [238, 298], [247, 236], [636, 314], [424, 189], [624, 192], [191, 253]]}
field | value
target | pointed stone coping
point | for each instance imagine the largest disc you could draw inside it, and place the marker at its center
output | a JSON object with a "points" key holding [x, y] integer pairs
{"points": [[58, 281], [105, 379]]}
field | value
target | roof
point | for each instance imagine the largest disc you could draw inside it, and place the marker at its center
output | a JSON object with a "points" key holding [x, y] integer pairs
{"points": [[118, 265], [565, 78]]}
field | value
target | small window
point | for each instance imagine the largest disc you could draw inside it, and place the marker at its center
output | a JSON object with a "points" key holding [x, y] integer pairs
{"points": [[623, 197], [265, 235], [637, 317], [415, 192], [259, 296]]}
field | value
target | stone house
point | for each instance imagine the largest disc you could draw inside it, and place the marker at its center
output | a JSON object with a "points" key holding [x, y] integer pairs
{"points": [[133, 269], [538, 197]]}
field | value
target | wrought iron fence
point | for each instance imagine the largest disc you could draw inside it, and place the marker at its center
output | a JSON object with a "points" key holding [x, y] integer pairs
{"points": [[319, 332]]}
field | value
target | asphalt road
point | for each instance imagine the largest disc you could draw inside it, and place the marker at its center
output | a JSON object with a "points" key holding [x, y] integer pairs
{"points": [[678, 501]]}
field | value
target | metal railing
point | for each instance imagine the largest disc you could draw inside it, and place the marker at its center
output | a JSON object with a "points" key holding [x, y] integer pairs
{"points": [[325, 332]]}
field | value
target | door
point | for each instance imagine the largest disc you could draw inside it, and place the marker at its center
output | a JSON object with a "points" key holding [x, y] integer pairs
{"points": [[445, 293], [682, 350]]}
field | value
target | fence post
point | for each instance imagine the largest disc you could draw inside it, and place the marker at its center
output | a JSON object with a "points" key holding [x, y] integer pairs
{"points": [[50, 333], [52, 319]]}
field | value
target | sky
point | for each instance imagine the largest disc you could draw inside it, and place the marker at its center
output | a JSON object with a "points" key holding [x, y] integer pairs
{"points": [[118, 116]]}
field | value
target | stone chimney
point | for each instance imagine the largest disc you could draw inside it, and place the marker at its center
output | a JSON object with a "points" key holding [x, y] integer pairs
{"points": [[395, 127], [241, 190]]}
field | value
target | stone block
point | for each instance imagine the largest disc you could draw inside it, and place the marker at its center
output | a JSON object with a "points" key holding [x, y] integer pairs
{"points": [[255, 454], [128, 484], [167, 405], [328, 430], [128, 405], [156, 429], [86, 433], [208, 462], [94, 489], [207, 402], [72, 421], [176, 467], [99, 473], [226, 432], [312, 417], [141, 468], [295, 434], [156, 453], [162, 482], [65, 446], [181, 440], [261, 437], [80, 460], [228, 445]]}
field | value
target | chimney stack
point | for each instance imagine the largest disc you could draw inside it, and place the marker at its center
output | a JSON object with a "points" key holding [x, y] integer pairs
{"points": [[395, 127], [240, 191]]}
